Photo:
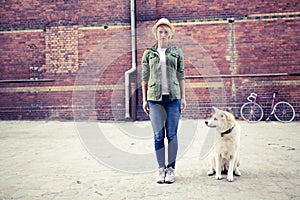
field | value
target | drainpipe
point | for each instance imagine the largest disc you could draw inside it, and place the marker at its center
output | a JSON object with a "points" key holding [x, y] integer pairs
{"points": [[133, 65], [232, 57]]}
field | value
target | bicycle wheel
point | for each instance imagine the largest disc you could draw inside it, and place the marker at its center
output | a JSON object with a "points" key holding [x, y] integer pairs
{"points": [[284, 111], [252, 112]]}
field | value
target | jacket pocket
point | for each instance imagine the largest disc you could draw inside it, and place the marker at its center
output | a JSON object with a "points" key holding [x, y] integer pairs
{"points": [[151, 85], [151, 92], [175, 89], [175, 55], [172, 60]]}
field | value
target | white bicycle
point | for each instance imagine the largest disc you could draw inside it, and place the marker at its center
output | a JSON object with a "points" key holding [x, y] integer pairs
{"points": [[252, 111]]}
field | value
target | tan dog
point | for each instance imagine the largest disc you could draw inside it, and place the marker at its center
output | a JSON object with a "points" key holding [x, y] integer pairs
{"points": [[225, 153]]}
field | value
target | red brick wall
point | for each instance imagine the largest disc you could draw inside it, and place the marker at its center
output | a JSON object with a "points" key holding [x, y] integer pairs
{"points": [[72, 55], [40, 14], [187, 9]]}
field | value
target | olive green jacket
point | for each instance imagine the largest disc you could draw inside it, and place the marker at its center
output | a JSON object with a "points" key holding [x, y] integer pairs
{"points": [[151, 72]]}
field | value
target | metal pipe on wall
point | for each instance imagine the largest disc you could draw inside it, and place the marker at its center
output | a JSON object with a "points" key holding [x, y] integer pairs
{"points": [[133, 64]]}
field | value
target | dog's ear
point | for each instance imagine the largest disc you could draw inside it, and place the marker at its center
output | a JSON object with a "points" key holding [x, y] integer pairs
{"points": [[215, 109], [229, 117]]}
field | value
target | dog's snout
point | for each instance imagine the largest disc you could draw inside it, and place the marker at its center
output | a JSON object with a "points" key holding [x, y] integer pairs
{"points": [[206, 122]]}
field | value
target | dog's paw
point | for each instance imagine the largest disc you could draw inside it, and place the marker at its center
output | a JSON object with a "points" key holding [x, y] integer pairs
{"points": [[237, 173], [218, 177], [230, 178], [210, 172]]}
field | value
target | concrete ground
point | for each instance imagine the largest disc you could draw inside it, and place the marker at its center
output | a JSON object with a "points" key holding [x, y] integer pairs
{"points": [[52, 160]]}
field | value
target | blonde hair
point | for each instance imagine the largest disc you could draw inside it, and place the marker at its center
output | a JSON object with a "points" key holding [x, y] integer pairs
{"points": [[170, 31]]}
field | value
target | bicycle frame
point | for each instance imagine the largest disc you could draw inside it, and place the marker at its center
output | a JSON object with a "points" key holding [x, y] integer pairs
{"points": [[253, 97], [272, 106], [273, 103], [252, 111]]}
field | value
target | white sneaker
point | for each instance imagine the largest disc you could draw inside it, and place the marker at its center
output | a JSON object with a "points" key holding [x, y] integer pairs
{"points": [[161, 175], [170, 175]]}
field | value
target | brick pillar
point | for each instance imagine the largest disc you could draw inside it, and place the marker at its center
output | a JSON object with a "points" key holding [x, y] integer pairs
{"points": [[62, 49]]}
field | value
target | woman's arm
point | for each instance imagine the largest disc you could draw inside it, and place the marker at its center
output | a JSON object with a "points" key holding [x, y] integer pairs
{"points": [[145, 102], [181, 78], [145, 78], [182, 91]]}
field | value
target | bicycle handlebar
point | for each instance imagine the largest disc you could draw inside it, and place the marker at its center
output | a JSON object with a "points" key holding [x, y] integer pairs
{"points": [[252, 96]]}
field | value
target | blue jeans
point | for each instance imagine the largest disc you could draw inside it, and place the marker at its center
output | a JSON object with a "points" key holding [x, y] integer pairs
{"points": [[164, 116]]}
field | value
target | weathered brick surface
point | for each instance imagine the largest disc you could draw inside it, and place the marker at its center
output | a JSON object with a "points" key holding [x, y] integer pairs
{"points": [[22, 55], [61, 49], [83, 49], [40, 14], [189, 9], [265, 47]]}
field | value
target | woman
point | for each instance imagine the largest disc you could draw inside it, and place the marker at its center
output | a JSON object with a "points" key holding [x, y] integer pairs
{"points": [[163, 87]]}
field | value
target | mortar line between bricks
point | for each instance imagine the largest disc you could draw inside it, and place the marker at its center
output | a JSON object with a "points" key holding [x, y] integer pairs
{"points": [[60, 88], [274, 14], [101, 27], [120, 87], [236, 21], [91, 87]]}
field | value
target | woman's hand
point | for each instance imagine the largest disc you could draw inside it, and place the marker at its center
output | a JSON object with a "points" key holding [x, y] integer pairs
{"points": [[145, 107], [182, 104]]}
